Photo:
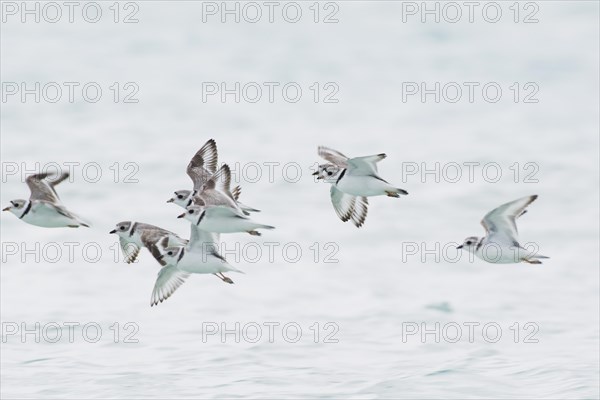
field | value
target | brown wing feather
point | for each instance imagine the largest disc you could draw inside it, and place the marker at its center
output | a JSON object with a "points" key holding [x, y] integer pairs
{"points": [[40, 188], [203, 164], [333, 156]]}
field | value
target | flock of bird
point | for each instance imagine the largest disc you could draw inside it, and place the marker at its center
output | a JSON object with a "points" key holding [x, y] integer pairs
{"points": [[212, 208]]}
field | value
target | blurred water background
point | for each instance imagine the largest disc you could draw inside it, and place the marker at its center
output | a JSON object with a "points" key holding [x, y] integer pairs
{"points": [[377, 290]]}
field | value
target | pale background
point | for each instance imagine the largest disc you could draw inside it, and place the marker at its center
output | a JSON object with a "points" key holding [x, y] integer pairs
{"points": [[371, 292]]}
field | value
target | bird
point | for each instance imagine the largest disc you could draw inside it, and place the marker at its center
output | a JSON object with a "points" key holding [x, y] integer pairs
{"points": [[222, 219], [210, 185], [352, 181], [44, 208], [181, 261], [183, 197], [214, 192], [135, 235], [501, 243]]}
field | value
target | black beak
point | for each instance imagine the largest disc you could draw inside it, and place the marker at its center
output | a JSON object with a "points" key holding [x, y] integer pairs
{"points": [[170, 200], [113, 231], [460, 247], [6, 209], [181, 216], [316, 173]]}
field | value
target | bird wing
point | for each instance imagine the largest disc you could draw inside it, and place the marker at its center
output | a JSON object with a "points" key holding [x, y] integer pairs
{"points": [[366, 165], [130, 250], [349, 207], [236, 192], [333, 156], [41, 189], [62, 210], [225, 212], [203, 165], [216, 192], [200, 239], [215, 198], [501, 221], [168, 280], [220, 180]]}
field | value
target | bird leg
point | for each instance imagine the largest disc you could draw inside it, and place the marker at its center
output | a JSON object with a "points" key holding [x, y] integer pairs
{"points": [[223, 277]]}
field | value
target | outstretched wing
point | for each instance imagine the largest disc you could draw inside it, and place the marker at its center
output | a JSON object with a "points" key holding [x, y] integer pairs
{"points": [[204, 164], [349, 207], [360, 211], [333, 156], [366, 165], [236, 192], [220, 180], [216, 192], [168, 280], [130, 250], [501, 221], [61, 178], [42, 189], [202, 240]]}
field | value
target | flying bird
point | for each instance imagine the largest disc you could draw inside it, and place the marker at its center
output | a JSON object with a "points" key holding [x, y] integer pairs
{"points": [[501, 243], [44, 207], [352, 181]]}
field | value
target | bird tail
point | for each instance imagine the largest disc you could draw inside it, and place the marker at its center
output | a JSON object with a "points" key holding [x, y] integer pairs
{"points": [[254, 231], [396, 192], [535, 259], [231, 268], [266, 227], [247, 208], [82, 221]]}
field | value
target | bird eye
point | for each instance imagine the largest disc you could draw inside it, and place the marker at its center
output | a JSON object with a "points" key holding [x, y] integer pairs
{"points": [[170, 253], [469, 242], [329, 173], [122, 228], [179, 196], [191, 211]]}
